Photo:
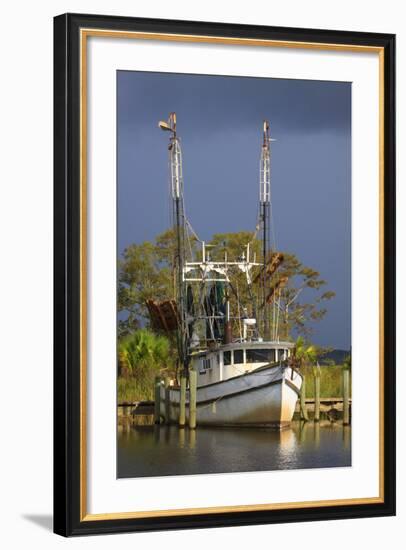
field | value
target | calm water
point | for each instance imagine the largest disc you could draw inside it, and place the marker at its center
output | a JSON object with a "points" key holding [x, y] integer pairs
{"points": [[166, 450]]}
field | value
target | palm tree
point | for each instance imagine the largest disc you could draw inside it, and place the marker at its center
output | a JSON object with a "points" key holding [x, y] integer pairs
{"points": [[142, 355], [304, 354]]}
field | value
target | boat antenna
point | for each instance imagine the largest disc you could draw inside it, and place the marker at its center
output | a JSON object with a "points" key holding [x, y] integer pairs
{"points": [[176, 177]]}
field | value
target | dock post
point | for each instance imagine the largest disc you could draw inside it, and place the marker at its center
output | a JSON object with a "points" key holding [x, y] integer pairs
{"points": [[303, 410], [192, 398], [316, 372], [346, 397], [157, 403], [167, 401], [182, 402]]}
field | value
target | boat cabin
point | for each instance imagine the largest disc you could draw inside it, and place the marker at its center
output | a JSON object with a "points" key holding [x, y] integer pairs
{"points": [[230, 360]]}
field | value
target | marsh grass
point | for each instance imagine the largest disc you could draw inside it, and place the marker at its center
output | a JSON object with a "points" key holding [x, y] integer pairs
{"points": [[331, 384], [129, 389]]}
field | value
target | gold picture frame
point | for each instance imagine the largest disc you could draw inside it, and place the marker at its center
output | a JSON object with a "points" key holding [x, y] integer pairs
{"points": [[71, 40]]}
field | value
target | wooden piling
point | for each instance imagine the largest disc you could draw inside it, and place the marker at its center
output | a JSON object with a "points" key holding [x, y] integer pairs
{"points": [[192, 398], [346, 437], [157, 404], [167, 400], [303, 411], [316, 372], [182, 402], [346, 397], [316, 428]]}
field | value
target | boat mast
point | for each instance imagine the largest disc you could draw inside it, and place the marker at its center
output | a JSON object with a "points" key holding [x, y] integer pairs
{"points": [[208, 271], [176, 177], [265, 214]]}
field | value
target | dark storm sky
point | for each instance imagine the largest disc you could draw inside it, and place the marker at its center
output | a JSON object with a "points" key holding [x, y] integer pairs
{"points": [[220, 125]]}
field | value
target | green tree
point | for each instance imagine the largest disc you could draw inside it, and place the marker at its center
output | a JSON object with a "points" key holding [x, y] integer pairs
{"points": [[304, 354], [302, 301], [143, 274], [296, 305], [142, 355], [146, 271]]}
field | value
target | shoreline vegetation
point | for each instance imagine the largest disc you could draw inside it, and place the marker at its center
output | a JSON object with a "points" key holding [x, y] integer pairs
{"points": [[147, 272], [128, 389], [330, 380], [143, 355]]}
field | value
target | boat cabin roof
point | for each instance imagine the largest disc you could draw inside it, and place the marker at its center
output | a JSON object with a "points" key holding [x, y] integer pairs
{"points": [[256, 344]]}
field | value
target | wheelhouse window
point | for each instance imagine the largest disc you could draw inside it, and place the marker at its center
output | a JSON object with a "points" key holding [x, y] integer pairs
{"points": [[260, 355], [205, 365], [227, 358], [238, 356]]}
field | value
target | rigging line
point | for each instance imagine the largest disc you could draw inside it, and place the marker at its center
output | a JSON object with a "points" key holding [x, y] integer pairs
{"points": [[183, 208], [192, 230], [189, 243], [273, 320], [211, 323], [239, 314], [277, 316], [236, 294], [257, 227], [273, 236], [201, 304], [255, 234]]}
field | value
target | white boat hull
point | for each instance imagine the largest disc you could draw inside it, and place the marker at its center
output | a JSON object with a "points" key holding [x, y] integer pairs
{"points": [[264, 397]]}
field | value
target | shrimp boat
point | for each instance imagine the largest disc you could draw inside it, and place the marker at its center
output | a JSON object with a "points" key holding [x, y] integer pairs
{"points": [[246, 379]]}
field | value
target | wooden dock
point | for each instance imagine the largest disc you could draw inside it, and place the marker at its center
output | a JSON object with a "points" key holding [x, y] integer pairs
{"points": [[325, 402], [135, 408], [330, 407]]}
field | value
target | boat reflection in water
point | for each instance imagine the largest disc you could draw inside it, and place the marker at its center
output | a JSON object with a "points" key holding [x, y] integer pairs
{"points": [[168, 450]]}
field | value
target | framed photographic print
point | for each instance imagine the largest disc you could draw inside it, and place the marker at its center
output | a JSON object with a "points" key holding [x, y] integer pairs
{"points": [[224, 274]]}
